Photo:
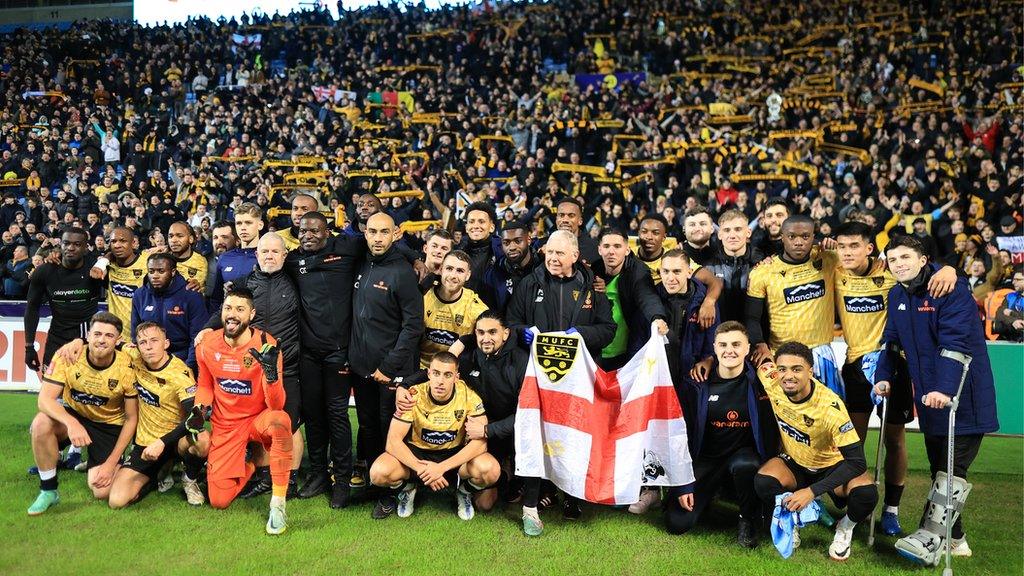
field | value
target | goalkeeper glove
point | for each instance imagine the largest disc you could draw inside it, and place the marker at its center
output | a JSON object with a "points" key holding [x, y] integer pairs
{"points": [[267, 356], [195, 423]]}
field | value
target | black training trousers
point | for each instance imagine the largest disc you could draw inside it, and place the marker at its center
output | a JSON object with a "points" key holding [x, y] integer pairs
{"points": [[326, 388]]}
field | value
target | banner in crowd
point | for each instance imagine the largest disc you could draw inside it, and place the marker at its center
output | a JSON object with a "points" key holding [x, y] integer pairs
{"points": [[611, 81], [600, 435], [323, 93], [1014, 245], [392, 100], [247, 40]]}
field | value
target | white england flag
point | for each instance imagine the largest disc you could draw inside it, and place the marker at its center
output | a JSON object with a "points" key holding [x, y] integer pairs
{"points": [[600, 435]]}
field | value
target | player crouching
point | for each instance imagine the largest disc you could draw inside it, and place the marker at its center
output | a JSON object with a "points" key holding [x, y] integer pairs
{"points": [[165, 387], [821, 451], [240, 385], [100, 410], [429, 441]]}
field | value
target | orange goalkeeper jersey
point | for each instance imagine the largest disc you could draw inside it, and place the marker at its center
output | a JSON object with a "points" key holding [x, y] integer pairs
{"points": [[232, 380]]}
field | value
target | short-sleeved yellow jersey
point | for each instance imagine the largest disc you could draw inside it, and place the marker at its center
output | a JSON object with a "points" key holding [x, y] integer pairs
{"points": [[161, 393], [290, 241], [799, 299], [446, 322], [812, 430], [654, 265], [122, 282], [441, 425], [195, 267], [862, 302], [95, 393]]}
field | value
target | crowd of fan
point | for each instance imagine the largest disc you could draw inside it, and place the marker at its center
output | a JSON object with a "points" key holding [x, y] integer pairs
{"points": [[110, 123]]}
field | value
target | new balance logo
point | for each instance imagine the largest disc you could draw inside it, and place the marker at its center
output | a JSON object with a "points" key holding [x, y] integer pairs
{"points": [[234, 386], [804, 292], [863, 304]]}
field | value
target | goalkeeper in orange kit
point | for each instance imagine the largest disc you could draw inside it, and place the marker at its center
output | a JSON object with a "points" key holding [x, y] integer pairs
{"points": [[239, 368]]}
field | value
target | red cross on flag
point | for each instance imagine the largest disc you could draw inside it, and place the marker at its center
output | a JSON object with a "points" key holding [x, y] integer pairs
{"points": [[600, 435]]}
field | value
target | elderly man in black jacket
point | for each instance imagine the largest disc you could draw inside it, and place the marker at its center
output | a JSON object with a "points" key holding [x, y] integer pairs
{"points": [[387, 323], [559, 296]]}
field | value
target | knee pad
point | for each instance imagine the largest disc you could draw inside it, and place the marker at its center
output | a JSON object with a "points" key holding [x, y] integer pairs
{"points": [[767, 487], [925, 545], [861, 501]]}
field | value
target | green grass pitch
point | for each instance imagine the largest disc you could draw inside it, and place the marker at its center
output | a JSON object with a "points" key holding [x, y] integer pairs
{"points": [[163, 535]]}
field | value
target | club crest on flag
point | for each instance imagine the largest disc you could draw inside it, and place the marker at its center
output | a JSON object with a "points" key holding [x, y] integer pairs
{"points": [[556, 355]]}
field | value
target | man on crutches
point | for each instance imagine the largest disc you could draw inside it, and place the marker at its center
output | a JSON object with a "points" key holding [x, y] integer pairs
{"points": [[954, 393]]}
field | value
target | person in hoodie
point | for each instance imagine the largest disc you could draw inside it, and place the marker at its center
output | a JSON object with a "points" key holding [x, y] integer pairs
{"points": [[731, 433], [238, 263], [166, 300]]}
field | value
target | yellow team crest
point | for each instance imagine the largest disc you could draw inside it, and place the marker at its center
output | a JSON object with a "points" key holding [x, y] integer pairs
{"points": [[556, 354]]}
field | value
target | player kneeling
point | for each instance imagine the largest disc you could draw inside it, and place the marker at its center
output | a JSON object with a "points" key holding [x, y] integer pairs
{"points": [[99, 409], [166, 391], [821, 451], [429, 442], [239, 384]]}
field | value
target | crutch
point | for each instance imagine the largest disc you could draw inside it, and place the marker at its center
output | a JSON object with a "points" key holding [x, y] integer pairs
{"points": [[878, 467], [965, 359]]}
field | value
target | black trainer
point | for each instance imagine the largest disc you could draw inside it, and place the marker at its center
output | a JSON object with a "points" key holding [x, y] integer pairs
{"points": [[339, 495], [386, 506], [746, 536], [571, 508], [258, 485], [315, 485]]}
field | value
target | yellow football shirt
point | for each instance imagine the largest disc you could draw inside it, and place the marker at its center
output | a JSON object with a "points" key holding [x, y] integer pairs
{"points": [[799, 299], [667, 244], [290, 241], [446, 322], [862, 303], [441, 426], [812, 430], [161, 393], [122, 282], [194, 268], [95, 393]]}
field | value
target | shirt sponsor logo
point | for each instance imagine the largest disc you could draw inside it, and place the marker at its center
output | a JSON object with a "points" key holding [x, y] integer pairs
{"points": [[147, 396], [88, 399], [122, 290], [863, 304], [804, 292], [235, 386], [801, 437], [438, 437], [926, 307]]}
